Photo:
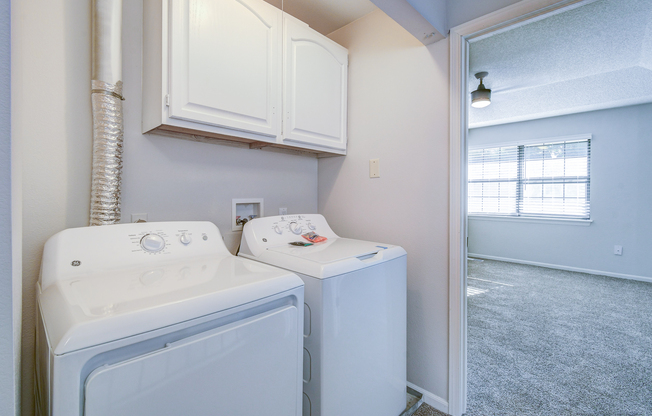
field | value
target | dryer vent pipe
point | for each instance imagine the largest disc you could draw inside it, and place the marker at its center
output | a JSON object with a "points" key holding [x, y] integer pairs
{"points": [[106, 98]]}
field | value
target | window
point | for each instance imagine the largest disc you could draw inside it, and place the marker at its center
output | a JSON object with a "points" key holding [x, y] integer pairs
{"points": [[533, 180]]}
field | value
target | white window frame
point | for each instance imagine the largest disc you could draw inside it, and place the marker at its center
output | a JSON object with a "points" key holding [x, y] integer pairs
{"points": [[519, 217]]}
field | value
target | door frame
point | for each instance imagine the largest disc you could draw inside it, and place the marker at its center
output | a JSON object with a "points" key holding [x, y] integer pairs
{"points": [[458, 224]]}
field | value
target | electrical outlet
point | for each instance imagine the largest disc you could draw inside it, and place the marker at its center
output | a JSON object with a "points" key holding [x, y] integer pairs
{"points": [[618, 250], [282, 211], [374, 168], [139, 217]]}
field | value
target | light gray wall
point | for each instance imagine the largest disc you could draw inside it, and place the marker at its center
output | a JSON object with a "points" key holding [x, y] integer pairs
{"points": [[169, 179], [621, 196], [197, 181], [398, 112], [462, 11], [9, 312]]}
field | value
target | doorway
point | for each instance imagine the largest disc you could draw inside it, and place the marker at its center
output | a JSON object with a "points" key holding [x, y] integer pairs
{"points": [[460, 37]]}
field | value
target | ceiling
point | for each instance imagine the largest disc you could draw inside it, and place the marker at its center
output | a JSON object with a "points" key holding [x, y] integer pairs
{"points": [[587, 58], [325, 16]]}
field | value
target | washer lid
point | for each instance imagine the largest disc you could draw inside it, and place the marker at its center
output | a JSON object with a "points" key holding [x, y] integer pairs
{"points": [[84, 311], [332, 250], [330, 258]]}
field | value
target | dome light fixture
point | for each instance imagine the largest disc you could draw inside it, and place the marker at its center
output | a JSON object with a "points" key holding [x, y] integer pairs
{"points": [[482, 96]]}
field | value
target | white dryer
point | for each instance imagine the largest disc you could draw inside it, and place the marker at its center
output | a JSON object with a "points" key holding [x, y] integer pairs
{"points": [[354, 318], [160, 319]]}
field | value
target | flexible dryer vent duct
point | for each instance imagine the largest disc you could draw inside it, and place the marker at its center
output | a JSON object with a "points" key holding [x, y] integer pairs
{"points": [[106, 97]]}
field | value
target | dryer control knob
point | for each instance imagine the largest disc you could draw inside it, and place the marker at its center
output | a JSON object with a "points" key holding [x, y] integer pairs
{"points": [[278, 230], [311, 226], [185, 239], [295, 228], [152, 243]]}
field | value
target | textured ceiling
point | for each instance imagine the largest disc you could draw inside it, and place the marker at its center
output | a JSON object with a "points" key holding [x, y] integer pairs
{"points": [[591, 57], [325, 16]]}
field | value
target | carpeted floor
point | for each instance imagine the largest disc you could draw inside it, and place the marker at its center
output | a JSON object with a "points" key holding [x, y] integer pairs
{"points": [[552, 342], [425, 410]]}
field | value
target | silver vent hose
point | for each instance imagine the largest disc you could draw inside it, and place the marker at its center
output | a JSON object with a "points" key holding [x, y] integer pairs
{"points": [[106, 98]]}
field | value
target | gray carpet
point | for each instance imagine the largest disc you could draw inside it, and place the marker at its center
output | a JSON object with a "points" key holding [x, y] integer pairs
{"points": [[425, 410], [551, 342]]}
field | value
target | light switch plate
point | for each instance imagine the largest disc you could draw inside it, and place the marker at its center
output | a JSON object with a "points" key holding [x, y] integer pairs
{"points": [[374, 168], [618, 250]]}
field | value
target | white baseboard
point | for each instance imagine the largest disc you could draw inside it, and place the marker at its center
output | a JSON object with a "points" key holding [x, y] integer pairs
{"points": [[431, 399], [559, 267]]}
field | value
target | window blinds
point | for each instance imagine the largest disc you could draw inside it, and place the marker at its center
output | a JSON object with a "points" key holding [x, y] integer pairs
{"points": [[541, 180]]}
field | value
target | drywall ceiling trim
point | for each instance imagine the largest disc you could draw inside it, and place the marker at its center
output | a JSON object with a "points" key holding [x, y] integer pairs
{"points": [[434, 11], [565, 112], [566, 62], [521, 14], [566, 46], [407, 16], [629, 86], [520, 23]]}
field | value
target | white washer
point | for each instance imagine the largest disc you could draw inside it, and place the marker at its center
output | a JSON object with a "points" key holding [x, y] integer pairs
{"points": [[354, 318], [160, 319]]}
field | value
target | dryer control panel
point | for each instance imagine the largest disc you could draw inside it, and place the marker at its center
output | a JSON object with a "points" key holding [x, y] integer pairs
{"points": [[265, 232], [166, 240], [79, 251]]}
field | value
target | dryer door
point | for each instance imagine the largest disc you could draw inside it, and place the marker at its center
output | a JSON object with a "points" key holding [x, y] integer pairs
{"points": [[249, 367]]}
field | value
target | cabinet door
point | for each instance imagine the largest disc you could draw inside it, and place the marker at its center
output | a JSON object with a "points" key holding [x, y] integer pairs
{"points": [[315, 85], [225, 64]]}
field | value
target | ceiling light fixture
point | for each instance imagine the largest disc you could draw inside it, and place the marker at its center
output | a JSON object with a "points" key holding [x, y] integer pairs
{"points": [[482, 96]]}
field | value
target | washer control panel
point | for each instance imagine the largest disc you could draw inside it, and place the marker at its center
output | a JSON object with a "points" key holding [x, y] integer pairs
{"points": [[264, 232], [292, 226], [295, 227]]}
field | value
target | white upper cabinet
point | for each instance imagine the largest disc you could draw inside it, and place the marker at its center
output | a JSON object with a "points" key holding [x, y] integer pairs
{"points": [[315, 90], [225, 64], [243, 71]]}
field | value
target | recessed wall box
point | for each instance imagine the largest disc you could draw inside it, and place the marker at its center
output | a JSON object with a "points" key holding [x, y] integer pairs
{"points": [[244, 210]]}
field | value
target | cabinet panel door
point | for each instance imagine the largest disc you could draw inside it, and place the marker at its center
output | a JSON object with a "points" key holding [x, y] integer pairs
{"points": [[315, 97], [225, 64]]}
